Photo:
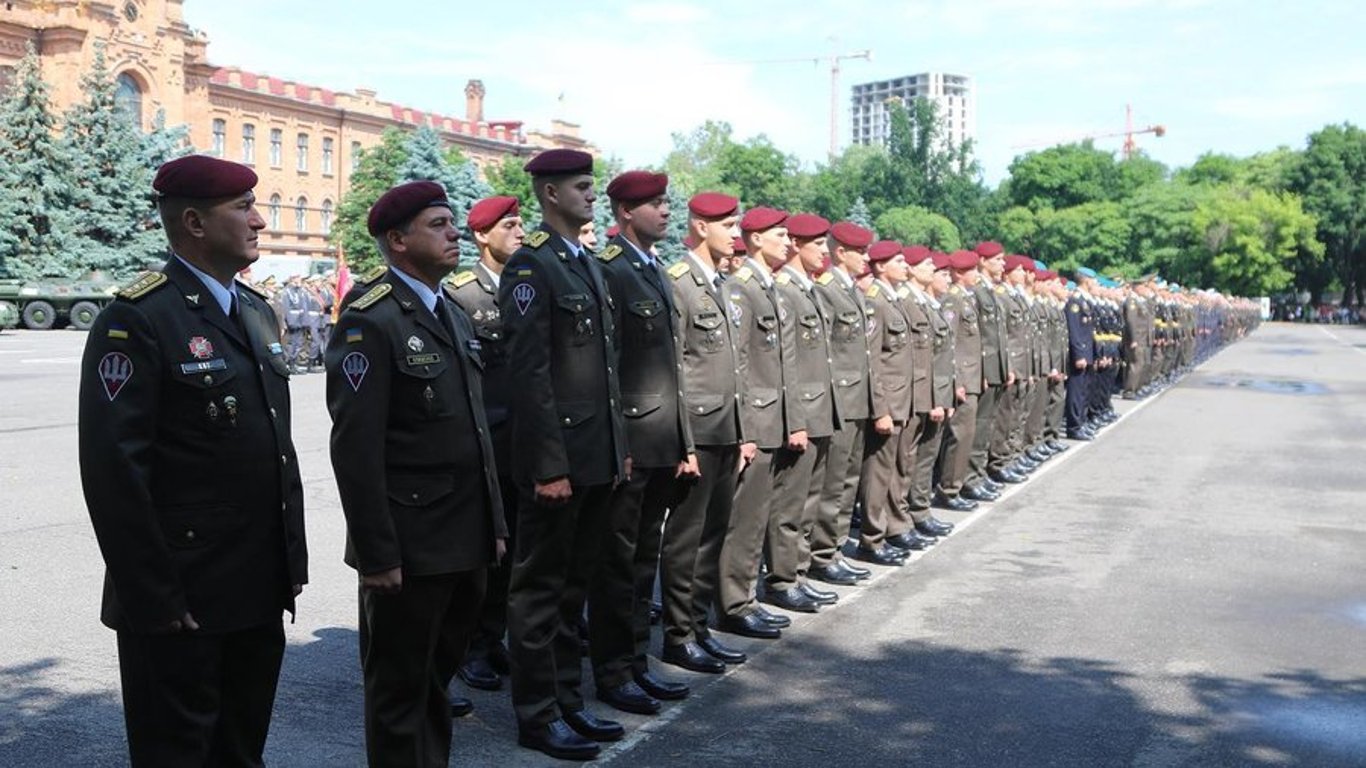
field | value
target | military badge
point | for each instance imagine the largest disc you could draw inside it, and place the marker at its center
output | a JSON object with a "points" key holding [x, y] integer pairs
{"points": [[524, 294], [355, 366], [201, 348], [116, 369], [415, 344]]}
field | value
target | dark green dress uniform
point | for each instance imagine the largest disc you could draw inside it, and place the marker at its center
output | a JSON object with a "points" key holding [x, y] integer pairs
{"points": [[942, 385], [475, 292], [1004, 450], [1055, 427], [413, 458], [657, 429], [796, 490], [1138, 342], [192, 485], [889, 342], [850, 359], [959, 308], [769, 413], [566, 423], [695, 528], [922, 336], [1043, 358], [996, 370]]}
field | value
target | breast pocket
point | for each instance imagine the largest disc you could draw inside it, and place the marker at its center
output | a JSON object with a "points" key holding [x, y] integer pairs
{"points": [[206, 393], [896, 336], [848, 326], [577, 314], [708, 332], [645, 320], [811, 333], [767, 328], [419, 384]]}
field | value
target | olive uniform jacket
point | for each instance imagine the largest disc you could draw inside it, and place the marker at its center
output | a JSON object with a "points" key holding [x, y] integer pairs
{"points": [[996, 367], [889, 341], [842, 302], [960, 310], [189, 471], [711, 366], [411, 448], [770, 411], [814, 383], [922, 349], [652, 388], [562, 360], [942, 371], [1016, 320], [476, 294]]}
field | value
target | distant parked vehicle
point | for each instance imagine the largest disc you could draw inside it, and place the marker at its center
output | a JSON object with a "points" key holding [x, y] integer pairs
{"points": [[54, 303]]}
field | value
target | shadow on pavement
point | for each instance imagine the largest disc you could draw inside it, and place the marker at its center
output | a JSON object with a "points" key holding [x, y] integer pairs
{"points": [[43, 723]]}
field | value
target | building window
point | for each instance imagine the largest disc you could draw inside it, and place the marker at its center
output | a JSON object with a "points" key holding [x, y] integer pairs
{"points": [[301, 215], [355, 155], [249, 144], [220, 137], [274, 212], [302, 145], [277, 150], [128, 98], [326, 222], [327, 156]]}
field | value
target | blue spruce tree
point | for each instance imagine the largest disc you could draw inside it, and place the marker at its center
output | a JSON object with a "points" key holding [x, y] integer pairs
{"points": [[428, 161], [859, 213]]}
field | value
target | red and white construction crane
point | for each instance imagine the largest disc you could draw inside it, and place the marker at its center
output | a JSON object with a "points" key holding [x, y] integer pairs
{"points": [[1129, 148]]}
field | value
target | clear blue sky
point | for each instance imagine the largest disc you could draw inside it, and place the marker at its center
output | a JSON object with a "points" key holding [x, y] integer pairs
{"points": [[1235, 77]]}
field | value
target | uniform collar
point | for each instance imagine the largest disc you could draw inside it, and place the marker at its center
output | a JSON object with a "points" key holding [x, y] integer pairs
{"points": [[765, 278], [494, 277], [424, 294], [222, 294]]}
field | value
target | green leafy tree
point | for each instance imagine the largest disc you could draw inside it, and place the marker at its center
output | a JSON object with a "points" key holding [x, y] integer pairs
{"points": [[691, 164], [38, 180], [1252, 237], [377, 171], [1330, 177], [758, 173], [915, 225], [1064, 176], [507, 178], [1162, 230], [1094, 234]]}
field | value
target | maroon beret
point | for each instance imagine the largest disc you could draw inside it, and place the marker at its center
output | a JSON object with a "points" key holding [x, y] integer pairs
{"points": [[201, 177], [712, 205], [739, 246], [941, 260], [915, 254], [1047, 275], [852, 235], [490, 211], [559, 162], [759, 219], [399, 205], [988, 248], [633, 186], [807, 226], [1015, 261], [883, 250], [963, 259]]}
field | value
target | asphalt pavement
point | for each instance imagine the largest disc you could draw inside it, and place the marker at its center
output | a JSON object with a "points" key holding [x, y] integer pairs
{"points": [[1190, 589]]}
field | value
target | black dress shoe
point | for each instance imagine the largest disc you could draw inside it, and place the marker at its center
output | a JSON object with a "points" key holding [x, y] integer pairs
{"points": [[909, 541], [960, 504], [831, 574], [1024, 466], [656, 611], [934, 527], [721, 651], [978, 493], [850, 568], [1081, 436], [461, 706], [558, 740], [497, 657], [772, 619], [690, 656], [1038, 454], [992, 485], [1057, 447], [824, 597], [477, 673], [1006, 476], [629, 697], [880, 556], [749, 625], [666, 690], [590, 726], [791, 599]]}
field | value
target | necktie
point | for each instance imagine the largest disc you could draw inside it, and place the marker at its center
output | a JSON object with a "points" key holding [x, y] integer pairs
{"points": [[443, 316]]}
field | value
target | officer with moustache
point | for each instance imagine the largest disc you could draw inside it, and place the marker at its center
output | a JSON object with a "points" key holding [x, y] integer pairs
{"points": [[191, 480], [570, 435], [662, 457], [496, 225], [414, 465]]}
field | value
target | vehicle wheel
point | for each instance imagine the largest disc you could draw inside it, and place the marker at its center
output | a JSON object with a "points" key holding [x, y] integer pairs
{"points": [[83, 315], [39, 316]]}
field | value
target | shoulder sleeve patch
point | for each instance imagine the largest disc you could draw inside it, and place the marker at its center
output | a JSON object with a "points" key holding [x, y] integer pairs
{"points": [[610, 252], [678, 270], [536, 239], [464, 278], [825, 278], [372, 297], [872, 291], [743, 274], [142, 286]]}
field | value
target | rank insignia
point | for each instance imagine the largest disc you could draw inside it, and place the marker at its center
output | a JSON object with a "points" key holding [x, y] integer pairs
{"points": [[537, 239], [201, 348]]}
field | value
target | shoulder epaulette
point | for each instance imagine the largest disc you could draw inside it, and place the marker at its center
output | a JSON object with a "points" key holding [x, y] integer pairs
{"points": [[374, 274], [1000, 289], [743, 274], [903, 292], [678, 270], [536, 239], [825, 278], [145, 284], [872, 290], [464, 278], [610, 252], [783, 278], [372, 297]]}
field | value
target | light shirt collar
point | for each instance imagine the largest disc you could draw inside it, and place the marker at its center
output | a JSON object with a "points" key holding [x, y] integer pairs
{"points": [[704, 268], [426, 295], [645, 256], [801, 277], [845, 280], [222, 294], [765, 278], [916, 289], [575, 247], [496, 277], [886, 286]]}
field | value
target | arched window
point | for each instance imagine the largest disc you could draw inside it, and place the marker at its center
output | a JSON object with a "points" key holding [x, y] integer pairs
{"points": [[128, 98], [220, 136], [275, 212], [249, 144], [301, 215], [326, 217]]}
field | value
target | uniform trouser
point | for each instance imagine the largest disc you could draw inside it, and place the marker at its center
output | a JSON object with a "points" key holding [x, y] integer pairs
{"points": [[904, 517], [987, 405], [797, 475], [411, 643], [1078, 398], [317, 342], [690, 554], [1054, 423], [878, 484], [1136, 371], [620, 590], [1007, 413], [294, 345], [836, 493], [957, 449], [922, 471], [1017, 443], [1100, 391], [493, 617], [1038, 405], [557, 547], [744, 543], [194, 698]]}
